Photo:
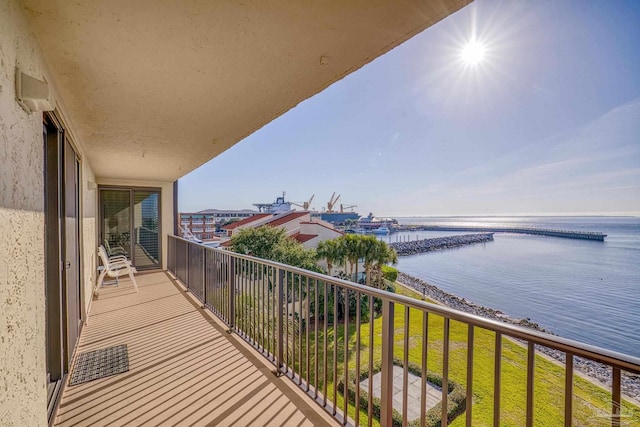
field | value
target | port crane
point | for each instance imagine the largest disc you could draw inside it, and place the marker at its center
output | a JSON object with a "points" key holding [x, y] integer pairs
{"points": [[332, 202], [305, 205], [343, 208]]}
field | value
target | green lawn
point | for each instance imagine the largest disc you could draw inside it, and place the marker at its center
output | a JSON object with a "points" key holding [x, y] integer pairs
{"points": [[590, 402]]}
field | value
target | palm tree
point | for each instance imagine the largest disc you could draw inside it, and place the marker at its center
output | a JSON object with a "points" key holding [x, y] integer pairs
{"points": [[332, 252], [385, 254], [370, 249], [353, 251]]}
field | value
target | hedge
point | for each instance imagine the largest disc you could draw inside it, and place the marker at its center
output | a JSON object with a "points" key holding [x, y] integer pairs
{"points": [[390, 273]]}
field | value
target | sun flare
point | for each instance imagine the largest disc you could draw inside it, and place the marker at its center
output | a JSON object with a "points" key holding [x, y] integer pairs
{"points": [[473, 53]]}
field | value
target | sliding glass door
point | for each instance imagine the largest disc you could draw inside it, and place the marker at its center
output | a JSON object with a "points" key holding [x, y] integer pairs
{"points": [[116, 220], [130, 223], [146, 228], [63, 290]]}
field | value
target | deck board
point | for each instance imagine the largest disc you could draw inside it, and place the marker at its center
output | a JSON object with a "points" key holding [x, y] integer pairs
{"points": [[184, 368]]}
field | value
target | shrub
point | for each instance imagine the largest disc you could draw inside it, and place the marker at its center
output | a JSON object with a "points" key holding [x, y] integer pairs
{"points": [[390, 273]]}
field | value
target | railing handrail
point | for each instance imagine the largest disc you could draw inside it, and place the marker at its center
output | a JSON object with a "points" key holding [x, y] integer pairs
{"points": [[624, 361]]}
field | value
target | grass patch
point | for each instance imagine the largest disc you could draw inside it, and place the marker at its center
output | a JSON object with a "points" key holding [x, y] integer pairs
{"points": [[591, 403]]}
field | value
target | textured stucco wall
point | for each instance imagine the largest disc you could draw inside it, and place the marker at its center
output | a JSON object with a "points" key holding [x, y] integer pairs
{"points": [[166, 209], [89, 232], [23, 394], [323, 234], [22, 343]]}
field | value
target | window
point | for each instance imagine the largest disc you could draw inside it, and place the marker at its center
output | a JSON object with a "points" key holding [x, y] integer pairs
{"points": [[130, 218]]}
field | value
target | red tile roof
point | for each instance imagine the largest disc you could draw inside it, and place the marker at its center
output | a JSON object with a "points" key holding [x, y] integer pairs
{"points": [[246, 221], [280, 220], [303, 237]]}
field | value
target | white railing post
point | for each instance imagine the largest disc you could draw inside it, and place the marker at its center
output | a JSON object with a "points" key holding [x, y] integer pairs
{"points": [[279, 321], [204, 277], [187, 267], [386, 392], [232, 292]]}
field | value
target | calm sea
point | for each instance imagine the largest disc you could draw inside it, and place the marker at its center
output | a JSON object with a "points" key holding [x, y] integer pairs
{"points": [[584, 290]]}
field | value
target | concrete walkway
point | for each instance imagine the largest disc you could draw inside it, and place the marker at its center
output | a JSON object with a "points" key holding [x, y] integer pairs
{"points": [[434, 393]]}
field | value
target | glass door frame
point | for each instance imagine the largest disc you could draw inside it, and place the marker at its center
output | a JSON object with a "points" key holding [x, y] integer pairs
{"points": [[65, 311], [132, 190]]}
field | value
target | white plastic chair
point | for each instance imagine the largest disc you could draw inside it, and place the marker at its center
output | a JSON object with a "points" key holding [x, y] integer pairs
{"points": [[115, 267], [115, 250], [113, 258]]}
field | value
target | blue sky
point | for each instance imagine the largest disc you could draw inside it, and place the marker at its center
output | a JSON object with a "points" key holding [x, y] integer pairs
{"points": [[548, 122]]}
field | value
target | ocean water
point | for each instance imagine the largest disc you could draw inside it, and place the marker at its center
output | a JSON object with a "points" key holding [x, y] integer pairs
{"points": [[584, 290]]}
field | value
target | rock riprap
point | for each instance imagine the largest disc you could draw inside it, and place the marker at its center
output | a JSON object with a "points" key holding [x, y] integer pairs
{"points": [[630, 382], [438, 243]]}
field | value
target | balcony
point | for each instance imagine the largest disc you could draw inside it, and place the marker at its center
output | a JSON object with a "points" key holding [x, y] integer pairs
{"points": [[186, 369], [153, 129]]}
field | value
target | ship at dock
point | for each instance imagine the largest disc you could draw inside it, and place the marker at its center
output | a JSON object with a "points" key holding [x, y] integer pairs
{"points": [[276, 207], [344, 214], [373, 224], [333, 213]]}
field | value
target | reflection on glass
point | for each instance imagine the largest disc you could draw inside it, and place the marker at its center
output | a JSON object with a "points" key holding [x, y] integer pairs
{"points": [[116, 220], [146, 228], [136, 231]]}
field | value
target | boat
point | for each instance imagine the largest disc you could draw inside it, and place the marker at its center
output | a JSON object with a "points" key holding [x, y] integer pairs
{"points": [[279, 206], [381, 230], [338, 217], [371, 223]]}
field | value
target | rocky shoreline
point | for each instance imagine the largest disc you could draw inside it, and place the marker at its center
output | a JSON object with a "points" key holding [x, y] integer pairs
{"points": [[595, 370], [427, 245]]}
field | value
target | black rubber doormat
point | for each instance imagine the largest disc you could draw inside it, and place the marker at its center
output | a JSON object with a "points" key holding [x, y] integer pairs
{"points": [[100, 363]]}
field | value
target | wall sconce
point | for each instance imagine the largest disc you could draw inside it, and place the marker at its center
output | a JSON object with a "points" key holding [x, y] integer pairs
{"points": [[33, 94]]}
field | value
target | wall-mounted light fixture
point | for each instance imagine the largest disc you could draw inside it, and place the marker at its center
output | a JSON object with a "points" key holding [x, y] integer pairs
{"points": [[33, 94]]}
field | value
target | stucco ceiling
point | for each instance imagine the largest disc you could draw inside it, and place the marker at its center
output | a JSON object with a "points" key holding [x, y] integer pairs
{"points": [[154, 89]]}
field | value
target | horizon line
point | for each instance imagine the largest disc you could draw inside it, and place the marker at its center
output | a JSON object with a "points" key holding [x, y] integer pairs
{"points": [[583, 215]]}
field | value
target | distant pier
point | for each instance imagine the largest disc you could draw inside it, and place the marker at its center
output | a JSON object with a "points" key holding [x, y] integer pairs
{"points": [[583, 235]]}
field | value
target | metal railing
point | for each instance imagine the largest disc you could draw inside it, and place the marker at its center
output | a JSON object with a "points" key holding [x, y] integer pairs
{"points": [[331, 336], [148, 240]]}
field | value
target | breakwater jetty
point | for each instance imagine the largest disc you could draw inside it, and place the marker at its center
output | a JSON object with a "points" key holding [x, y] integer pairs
{"points": [[584, 235], [426, 245]]}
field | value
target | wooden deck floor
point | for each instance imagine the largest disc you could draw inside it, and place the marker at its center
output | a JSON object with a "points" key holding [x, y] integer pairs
{"points": [[184, 368]]}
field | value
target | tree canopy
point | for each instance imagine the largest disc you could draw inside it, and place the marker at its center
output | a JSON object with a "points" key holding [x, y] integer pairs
{"points": [[273, 244], [350, 248]]}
